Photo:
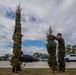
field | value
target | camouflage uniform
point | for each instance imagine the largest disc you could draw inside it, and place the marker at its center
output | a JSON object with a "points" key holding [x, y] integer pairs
{"points": [[61, 53]]}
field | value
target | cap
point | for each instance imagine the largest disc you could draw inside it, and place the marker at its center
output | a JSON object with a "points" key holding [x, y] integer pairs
{"points": [[59, 34]]}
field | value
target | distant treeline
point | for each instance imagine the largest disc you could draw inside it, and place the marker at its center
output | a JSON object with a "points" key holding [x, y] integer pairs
{"points": [[69, 49]]}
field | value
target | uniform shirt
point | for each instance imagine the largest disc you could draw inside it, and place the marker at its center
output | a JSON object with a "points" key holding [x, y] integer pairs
{"points": [[61, 44]]}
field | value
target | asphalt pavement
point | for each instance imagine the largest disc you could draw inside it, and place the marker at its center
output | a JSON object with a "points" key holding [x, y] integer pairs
{"points": [[6, 64]]}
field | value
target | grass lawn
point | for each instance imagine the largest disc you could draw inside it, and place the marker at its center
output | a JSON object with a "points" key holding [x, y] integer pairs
{"points": [[37, 72]]}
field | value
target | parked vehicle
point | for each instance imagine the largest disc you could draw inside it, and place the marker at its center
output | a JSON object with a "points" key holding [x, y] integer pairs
{"points": [[1, 59], [70, 57], [44, 60], [28, 58]]}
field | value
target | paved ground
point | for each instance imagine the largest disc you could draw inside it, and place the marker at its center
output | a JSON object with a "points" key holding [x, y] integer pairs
{"points": [[6, 64]]}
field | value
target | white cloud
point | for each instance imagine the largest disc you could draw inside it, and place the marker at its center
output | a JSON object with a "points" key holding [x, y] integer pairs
{"points": [[34, 31], [61, 14], [5, 51], [31, 50]]}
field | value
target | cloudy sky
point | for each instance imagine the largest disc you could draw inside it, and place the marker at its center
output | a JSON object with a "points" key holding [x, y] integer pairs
{"points": [[37, 16]]}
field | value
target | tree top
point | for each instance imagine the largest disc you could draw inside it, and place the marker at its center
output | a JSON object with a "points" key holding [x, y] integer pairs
{"points": [[18, 8]]}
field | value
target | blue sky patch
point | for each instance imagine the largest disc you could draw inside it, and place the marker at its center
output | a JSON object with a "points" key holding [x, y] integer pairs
{"points": [[33, 19], [9, 45], [10, 14], [29, 43]]}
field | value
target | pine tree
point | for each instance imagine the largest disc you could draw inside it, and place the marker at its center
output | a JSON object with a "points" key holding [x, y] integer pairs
{"points": [[17, 37], [51, 48]]}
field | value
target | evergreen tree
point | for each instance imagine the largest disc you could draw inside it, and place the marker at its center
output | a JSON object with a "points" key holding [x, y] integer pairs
{"points": [[17, 37], [51, 48]]}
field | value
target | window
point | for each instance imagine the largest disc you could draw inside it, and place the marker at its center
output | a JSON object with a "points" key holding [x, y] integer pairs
{"points": [[73, 55]]}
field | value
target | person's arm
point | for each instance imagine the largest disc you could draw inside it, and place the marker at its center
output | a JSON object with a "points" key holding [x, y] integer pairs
{"points": [[56, 38]]}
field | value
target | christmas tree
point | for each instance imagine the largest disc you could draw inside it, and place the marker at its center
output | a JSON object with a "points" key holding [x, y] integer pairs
{"points": [[17, 37], [51, 48]]}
